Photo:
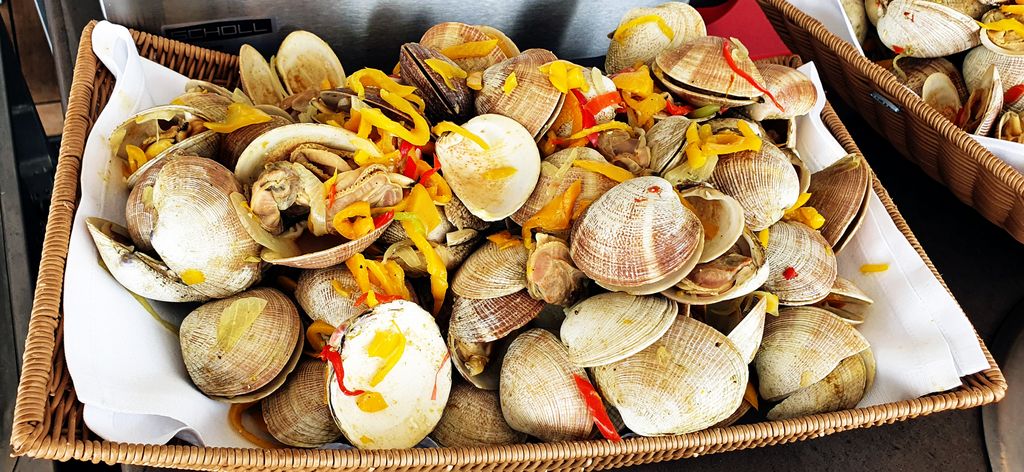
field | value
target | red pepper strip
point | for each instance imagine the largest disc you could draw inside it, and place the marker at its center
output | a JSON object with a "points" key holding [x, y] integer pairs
{"points": [[332, 356], [409, 169], [383, 219], [425, 177], [588, 118], [600, 102], [789, 273], [961, 119], [596, 407], [331, 194], [675, 110], [444, 360], [1014, 93], [747, 77], [897, 49], [381, 298]]}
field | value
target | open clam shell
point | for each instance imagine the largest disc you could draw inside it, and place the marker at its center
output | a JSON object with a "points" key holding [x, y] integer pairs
{"points": [[612, 326], [449, 34], [690, 379], [212, 105], [296, 414], [800, 347], [914, 71], [644, 41], [846, 301], [940, 93], [250, 365], [139, 213], [329, 256], [742, 321], [414, 390], [551, 275], [443, 102], [1002, 42], [316, 293], [720, 215], [538, 394], [534, 102], [277, 144], [138, 272], [666, 140], [839, 192], [764, 182], [698, 72], [985, 103], [791, 88], [841, 389], [259, 80], [491, 272], [473, 417], [922, 28], [145, 126], [557, 173], [637, 238], [304, 62], [738, 272], [481, 321], [975, 67], [802, 265], [1010, 127], [479, 363], [234, 143], [466, 166]]}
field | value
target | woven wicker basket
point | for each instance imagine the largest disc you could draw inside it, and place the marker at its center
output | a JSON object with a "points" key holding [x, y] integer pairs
{"points": [[945, 152], [48, 417]]}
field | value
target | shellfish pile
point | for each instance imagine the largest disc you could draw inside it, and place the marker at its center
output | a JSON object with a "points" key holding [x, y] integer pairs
{"points": [[639, 249], [965, 58]]}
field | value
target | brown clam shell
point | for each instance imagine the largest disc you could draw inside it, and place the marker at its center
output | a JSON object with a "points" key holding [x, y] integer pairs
{"points": [[764, 182], [796, 246], [296, 414], [491, 272], [839, 192], [593, 184], [534, 102], [473, 417], [482, 321], [442, 103], [698, 72], [445, 35]]}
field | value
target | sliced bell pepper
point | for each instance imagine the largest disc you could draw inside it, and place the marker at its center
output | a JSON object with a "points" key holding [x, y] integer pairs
{"points": [[510, 84], [596, 407], [504, 240], [625, 29], [330, 355], [1013, 93], [448, 126], [727, 53], [565, 75], [556, 215], [375, 77], [600, 102], [589, 121], [637, 82], [240, 115], [446, 70], [470, 49], [354, 221], [316, 334], [371, 402], [606, 169]]}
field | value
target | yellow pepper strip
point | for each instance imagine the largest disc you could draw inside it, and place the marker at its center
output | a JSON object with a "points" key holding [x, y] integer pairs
{"points": [[326, 84], [416, 100], [240, 115], [800, 201], [420, 133], [354, 221], [500, 173], [364, 158], [581, 206], [638, 82], [646, 108], [475, 80], [136, 157], [420, 203], [1006, 24], [446, 70], [435, 266], [318, 333], [750, 395], [357, 266], [396, 272], [388, 345], [772, 302], [565, 76], [625, 29], [362, 77], [448, 126], [599, 128], [606, 169], [235, 420], [370, 402], [762, 237], [504, 240], [872, 268], [694, 156], [336, 285], [156, 148], [1012, 9], [436, 186], [555, 215], [353, 121], [470, 49], [193, 276], [510, 84], [387, 280]]}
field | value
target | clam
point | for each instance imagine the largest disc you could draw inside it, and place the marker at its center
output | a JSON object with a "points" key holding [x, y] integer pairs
{"points": [[667, 142], [460, 216], [1004, 42], [740, 270], [846, 301], [764, 182], [160, 132], [534, 102], [941, 94], [802, 265], [138, 212], [557, 173], [495, 181], [241, 348], [698, 72], [258, 78], [985, 104], [612, 326], [840, 192], [741, 320], [212, 105], [551, 275], [637, 238], [639, 43], [922, 28], [841, 389], [401, 404], [690, 379], [719, 214], [625, 150], [279, 143], [296, 414], [445, 93], [538, 392], [858, 18], [1010, 128], [794, 92], [482, 321], [447, 37], [800, 347], [479, 363], [504, 42], [1009, 67], [203, 86], [913, 72], [875, 9], [234, 143], [491, 272], [137, 271], [329, 295], [473, 418], [305, 62], [803, 172]]}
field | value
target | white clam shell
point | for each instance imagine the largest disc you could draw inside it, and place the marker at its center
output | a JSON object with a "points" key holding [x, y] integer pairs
{"points": [[612, 326], [924, 28]]}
